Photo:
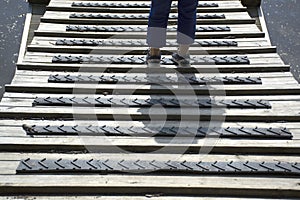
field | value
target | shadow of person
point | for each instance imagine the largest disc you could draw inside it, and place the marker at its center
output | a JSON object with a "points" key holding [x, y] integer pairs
{"points": [[181, 107]]}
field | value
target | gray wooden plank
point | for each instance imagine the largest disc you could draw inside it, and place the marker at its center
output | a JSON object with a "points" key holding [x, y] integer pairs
{"points": [[13, 128], [63, 17], [146, 145], [16, 156], [161, 69], [223, 6], [263, 58], [139, 50], [59, 30], [134, 184], [241, 42], [279, 112], [28, 84]]}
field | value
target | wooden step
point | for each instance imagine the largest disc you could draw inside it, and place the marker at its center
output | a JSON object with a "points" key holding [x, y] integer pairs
{"points": [[43, 44], [278, 112], [223, 6], [59, 30], [162, 69], [14, 128], [145, 145], [27, 83], [134, 184], [63, 18]]}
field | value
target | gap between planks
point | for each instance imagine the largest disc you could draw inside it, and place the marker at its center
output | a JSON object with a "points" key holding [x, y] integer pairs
{"points": [[112, 197]]}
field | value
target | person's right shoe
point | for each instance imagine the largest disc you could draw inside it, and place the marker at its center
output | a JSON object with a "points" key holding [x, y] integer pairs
{"points": [[181, 60]]}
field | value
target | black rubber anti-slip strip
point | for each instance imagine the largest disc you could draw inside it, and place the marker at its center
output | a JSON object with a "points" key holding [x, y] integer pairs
{"points": [[165, 131], [140, 43], [153, 79], [137, 16], [130, 5], [128, 59], [122, 165], [86, 28], [163, 101]]}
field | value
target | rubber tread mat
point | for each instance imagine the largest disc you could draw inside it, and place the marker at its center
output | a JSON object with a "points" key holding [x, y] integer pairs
{"points": [[162, 101], [84, 42], [165, 131], [86, 28], [128, 59], [137, 16], [154, 79], [113, 166], [130, 5]]}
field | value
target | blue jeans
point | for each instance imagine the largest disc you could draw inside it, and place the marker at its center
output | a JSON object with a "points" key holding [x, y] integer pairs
{"points": [[158, 21]]}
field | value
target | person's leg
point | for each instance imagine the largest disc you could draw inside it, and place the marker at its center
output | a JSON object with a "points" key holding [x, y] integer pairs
{"points": [[157, 24], [187, 11]]}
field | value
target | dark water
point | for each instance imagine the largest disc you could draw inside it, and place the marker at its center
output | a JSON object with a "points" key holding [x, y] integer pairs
{"points": [[282, 19], [12, 15]]}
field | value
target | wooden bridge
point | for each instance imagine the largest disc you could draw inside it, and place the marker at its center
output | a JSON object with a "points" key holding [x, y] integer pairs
{"points": [[86, 118]]}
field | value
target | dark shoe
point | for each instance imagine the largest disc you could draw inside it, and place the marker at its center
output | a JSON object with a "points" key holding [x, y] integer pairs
{"points": [[181, 60], [152, 58]]}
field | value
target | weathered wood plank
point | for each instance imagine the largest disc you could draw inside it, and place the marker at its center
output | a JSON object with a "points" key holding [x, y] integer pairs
{"points": [[59, 30], [23, 97], [144, 145], [134, 184], [251, 45], [11, 156], [279, 112], [7, 168], [43, 122], [241, 42], [223, 6], [28, 84], [10, 163], [25, 37], [99, 73], [163, 69], [63, 18], [27, 101], [17, 130], [151, 74], [266, 78], [139, 50], [13, 128], [12, 132], [266, 58]]}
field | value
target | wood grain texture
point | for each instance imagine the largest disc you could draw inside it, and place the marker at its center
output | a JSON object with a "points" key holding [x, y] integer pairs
{"points": [[278, 87]]}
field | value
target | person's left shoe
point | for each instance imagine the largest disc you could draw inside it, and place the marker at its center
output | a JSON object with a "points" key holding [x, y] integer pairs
{"points": [[155, 59]]}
